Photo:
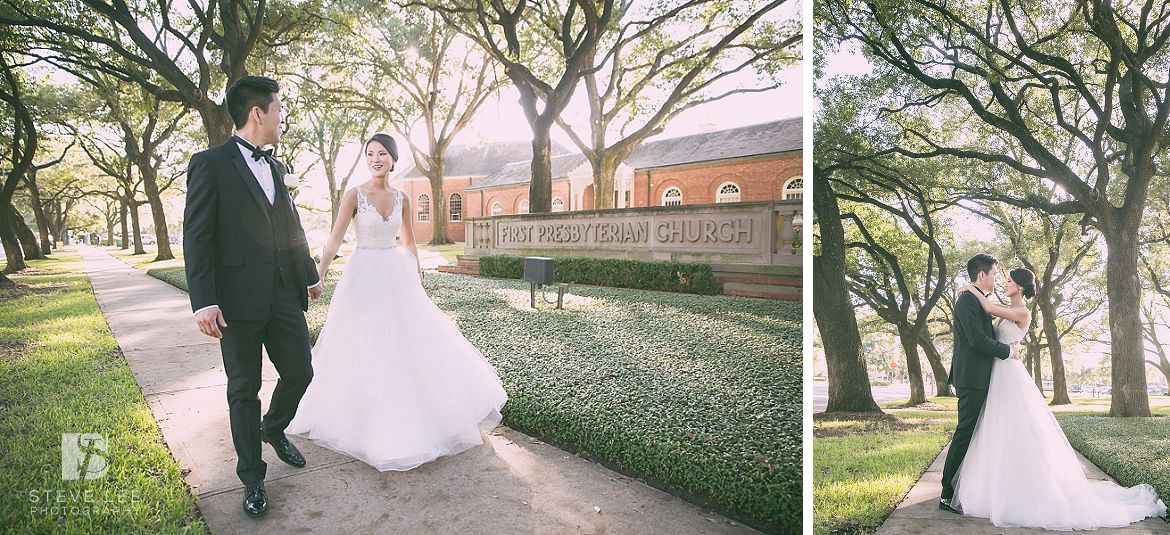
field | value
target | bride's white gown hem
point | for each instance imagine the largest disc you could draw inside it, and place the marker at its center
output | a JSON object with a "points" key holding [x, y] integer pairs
{"points": [[395, 383], [1021, 471]]}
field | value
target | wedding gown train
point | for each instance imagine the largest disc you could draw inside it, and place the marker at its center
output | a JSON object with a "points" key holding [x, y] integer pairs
{"points": [[395, 383], [1021, 471]]}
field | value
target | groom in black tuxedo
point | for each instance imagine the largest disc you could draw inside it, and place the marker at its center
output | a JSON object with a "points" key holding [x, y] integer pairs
{"points": [[250, 277], [974, 351]]}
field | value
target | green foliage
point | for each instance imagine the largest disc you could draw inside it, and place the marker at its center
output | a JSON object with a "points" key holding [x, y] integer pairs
{"points": [[679, 277], [175, 276], [61, 372], [702, 396], [1130, 450]]}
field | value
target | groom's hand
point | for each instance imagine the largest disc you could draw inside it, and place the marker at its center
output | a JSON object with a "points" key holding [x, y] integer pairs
{"points": [[209, 321], [315, 292], [1016, 351]]}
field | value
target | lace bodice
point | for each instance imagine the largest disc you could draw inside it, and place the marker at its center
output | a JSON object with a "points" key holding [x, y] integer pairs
{"points": [[1008, 332], [374, 231]]}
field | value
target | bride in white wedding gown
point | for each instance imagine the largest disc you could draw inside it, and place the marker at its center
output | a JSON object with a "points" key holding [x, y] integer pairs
{"points": [[395, 383], [1020, 470]]}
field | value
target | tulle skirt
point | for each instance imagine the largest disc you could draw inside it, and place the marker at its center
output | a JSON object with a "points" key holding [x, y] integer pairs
{"points": [[1021, 471], [395, 383]]}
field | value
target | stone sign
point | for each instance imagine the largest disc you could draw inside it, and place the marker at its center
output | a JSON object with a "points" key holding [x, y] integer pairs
{"points": [[760, 233]]}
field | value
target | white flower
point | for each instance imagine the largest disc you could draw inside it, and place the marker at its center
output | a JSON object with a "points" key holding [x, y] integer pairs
{"points": [[291, 181]]}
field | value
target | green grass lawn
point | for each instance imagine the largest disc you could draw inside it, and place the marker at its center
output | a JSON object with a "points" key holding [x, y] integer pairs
{"points": [[146, 261], [863, 467], [61, 372], [699, 395]]}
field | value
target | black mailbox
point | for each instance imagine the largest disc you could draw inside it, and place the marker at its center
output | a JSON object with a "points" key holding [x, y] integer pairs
{"points": [[538, 269]]}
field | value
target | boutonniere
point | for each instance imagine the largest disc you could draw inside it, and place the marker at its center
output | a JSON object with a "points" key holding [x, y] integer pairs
{"points": [[291, 182]]}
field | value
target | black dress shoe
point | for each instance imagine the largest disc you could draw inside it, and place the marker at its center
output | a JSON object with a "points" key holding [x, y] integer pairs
{"points": [[255, 502], [285, 450], [949, 506]]}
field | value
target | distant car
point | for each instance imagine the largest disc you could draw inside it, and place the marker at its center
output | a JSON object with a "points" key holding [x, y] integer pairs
{"points": [[1074, 388], [1107, 390]]}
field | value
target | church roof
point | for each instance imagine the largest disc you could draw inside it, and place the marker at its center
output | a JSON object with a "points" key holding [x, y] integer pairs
{"points": [[482, 160], [786, 135], [521, 172]]}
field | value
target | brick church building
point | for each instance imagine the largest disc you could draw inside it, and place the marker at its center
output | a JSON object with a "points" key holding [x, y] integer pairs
{"points": [[752, 163]]}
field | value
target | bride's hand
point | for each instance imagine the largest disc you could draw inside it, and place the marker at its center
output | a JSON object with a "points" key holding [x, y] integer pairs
{"points": [[965, 288]]}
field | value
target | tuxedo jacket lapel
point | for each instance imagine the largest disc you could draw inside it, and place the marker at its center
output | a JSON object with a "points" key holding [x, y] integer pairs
{"points": [[250, 181]]}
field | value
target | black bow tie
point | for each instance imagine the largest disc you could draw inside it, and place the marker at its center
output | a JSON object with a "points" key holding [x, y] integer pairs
{"points": [[256, 153]]}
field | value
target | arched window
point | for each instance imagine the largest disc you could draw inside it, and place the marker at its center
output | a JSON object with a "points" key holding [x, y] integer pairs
{"points": [[672, 197], [456, 206], [424, 208], [497, 209], [558, 205], [728, 192], [523, 207], [793, 189]]}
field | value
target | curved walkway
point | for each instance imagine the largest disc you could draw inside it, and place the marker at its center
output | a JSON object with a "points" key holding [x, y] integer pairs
{"points": [[512, 484]]}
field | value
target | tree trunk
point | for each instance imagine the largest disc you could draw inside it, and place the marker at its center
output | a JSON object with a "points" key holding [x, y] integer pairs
{"points": [[1037, 366], [849, 389], [217, 123], [39, 214], [909, 340], [109, 232], [540, 190], [12, 252], [58, 223], [123, 215], [154, 198], [136, 228], [1163, 366], [1052, 334], [603, 183], [1123, 289], [24, 234], [439, 234], [941, 387]]}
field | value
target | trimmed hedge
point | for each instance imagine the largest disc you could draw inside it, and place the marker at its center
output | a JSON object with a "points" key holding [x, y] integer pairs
{"points": [[698, 395], [175, 276], [1130, 450], [681, 277]]}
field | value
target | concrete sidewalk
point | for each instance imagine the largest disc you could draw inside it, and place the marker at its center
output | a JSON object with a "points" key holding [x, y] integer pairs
{"points": [[919, 513], [511, 484]]}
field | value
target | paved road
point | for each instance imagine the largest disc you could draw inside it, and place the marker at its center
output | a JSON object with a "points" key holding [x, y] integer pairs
{"points": [[881, 394]]}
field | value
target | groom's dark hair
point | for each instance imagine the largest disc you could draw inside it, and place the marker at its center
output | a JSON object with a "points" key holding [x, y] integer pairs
{"points": [[980, 263], [247, 93]]}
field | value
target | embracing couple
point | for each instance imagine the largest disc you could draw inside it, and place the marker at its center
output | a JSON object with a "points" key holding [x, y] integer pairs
{"points": [[391, 380], [1009, 460]]}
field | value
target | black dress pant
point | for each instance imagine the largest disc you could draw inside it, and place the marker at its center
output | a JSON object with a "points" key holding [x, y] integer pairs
{"points": [[286, 337], [971, 402]]}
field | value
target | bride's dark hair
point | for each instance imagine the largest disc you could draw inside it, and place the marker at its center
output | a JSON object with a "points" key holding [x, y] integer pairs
{"points": [[1026, 279], [386, 141]]}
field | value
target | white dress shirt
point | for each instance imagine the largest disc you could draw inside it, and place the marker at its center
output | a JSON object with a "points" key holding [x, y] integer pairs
{"points": [[261, 170], [263, 173]]}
